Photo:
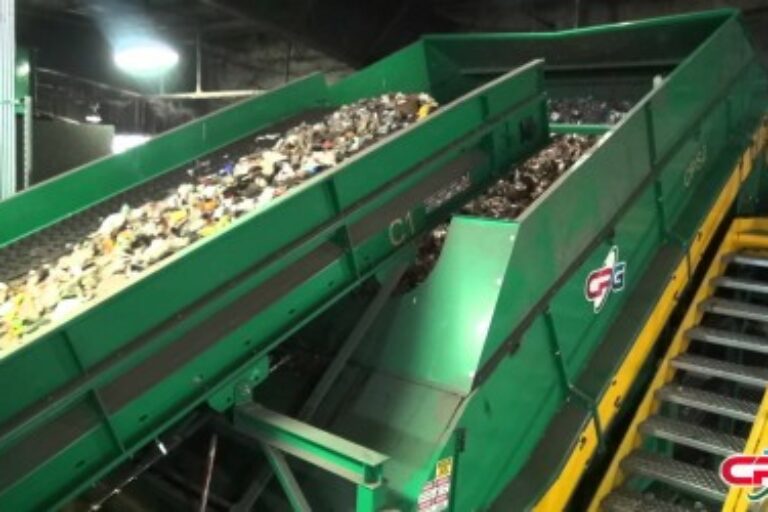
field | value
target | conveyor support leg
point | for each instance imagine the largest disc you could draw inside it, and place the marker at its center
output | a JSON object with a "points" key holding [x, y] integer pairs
{"points": [[325, 383]]}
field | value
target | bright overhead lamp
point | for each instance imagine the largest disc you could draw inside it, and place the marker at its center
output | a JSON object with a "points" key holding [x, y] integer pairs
{"points": [[93, 116], [146, 58], [125, 141], [22, 69]]}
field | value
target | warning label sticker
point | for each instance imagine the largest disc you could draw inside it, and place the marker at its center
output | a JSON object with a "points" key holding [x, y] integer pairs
{"points": [[436, 493], [444, 467]]}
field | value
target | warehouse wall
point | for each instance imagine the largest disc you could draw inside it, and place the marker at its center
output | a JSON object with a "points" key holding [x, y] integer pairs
{"points": [[527, 15], [272, 62], [267, 60]]}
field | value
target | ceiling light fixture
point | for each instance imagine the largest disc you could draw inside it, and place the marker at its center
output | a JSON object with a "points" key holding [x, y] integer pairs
{"points": [[146, 58], [93, 117]]}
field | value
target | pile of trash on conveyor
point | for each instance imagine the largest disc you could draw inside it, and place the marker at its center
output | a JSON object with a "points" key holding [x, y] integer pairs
{"points": [[131, 240], [505, 199], [587, 110]]}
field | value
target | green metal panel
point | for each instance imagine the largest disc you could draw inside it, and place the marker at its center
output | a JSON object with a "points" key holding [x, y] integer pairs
{"points": [[655, 39], [691, 160], [450, 313], [604, 182]]}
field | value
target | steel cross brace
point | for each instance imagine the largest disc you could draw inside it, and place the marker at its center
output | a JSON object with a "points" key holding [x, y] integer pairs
{"points": [[279, 433], [284, 474], [389, 282]]}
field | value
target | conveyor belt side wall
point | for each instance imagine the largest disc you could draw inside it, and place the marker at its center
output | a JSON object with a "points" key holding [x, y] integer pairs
{"points": [[693, 138], [651, 42]]}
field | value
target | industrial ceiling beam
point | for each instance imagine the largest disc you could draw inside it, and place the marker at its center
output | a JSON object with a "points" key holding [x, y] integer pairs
{"points": [[343, 29], [267, 26]]}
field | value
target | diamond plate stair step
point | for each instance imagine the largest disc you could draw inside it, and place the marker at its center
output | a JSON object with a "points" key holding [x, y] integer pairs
{"points": [[687, 477], [729, 339], [624, 500], [747, 259], [748, 375], [692, 435], [735, 408], [737, 283], [735, 309]]}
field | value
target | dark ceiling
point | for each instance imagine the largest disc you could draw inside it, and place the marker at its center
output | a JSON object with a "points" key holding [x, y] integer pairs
{"points": [[74, 35], [74, 38]]}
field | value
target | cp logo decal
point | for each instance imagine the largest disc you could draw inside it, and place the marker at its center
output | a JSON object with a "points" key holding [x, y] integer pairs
{"points": [[606, 279]]}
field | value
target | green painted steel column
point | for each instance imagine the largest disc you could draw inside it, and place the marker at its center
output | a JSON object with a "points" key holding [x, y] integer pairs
{"points": [[369, 498], [23, 96]]}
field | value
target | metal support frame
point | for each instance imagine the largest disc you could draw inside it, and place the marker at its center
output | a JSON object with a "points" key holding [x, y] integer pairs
{"points": [[331, 373], [357, 464], [209, 473], [28, 142], [199, 93], [585, 129], [284, 474], [349, 346], [162, 447], [569, 387], [198, 62], [7, 98]]}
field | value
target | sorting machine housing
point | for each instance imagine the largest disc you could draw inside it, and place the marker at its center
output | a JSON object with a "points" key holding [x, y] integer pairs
{"points": [[488, 377]]}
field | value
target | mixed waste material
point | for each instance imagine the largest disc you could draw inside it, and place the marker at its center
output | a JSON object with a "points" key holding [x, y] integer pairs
{"points": [[133, 239]]}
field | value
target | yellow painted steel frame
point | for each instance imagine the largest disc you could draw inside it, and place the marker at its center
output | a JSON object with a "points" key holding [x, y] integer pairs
{"points": [[559, 494], [734, 240], [757, 442]]}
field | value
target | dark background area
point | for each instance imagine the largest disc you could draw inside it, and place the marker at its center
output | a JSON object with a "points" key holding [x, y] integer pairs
{"points": [[257, 45]]}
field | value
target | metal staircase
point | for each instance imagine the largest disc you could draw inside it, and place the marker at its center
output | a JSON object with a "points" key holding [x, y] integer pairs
{"points": [[706, 400]]}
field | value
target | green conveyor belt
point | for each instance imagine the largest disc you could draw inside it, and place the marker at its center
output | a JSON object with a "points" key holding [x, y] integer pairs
{"points": [[133, 363], [49, 243], [471, 365]]}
